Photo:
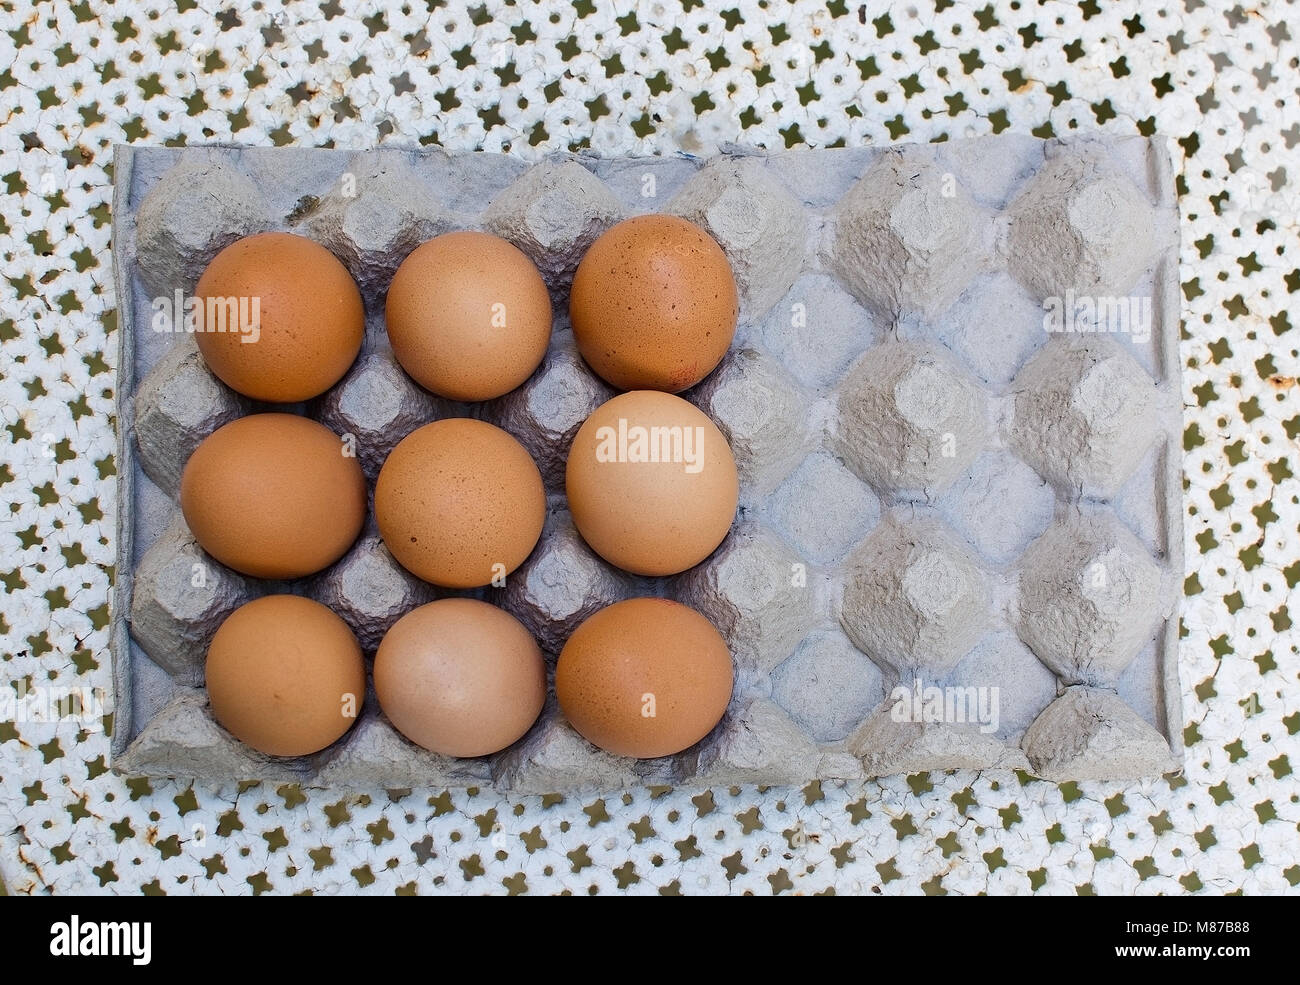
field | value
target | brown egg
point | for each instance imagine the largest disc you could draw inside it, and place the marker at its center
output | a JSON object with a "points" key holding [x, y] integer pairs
{"points": [[468, 316], [460, 677], [651, 483], [645, 677], [274, 496], [460, 503], [292, 320], [285, 675], [654, 304]]}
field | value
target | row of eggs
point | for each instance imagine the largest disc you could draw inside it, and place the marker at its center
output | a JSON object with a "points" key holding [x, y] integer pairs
{"points": [[651, 484]]}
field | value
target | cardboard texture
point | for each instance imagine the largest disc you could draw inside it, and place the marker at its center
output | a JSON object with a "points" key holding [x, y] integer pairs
{"points": [[937, 493]]}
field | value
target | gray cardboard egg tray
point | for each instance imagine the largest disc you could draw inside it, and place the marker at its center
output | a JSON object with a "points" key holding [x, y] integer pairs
{"points": [[958, 542]]}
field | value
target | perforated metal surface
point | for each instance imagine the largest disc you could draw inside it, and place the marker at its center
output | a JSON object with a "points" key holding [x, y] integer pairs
{"points": [[1219, 82]]}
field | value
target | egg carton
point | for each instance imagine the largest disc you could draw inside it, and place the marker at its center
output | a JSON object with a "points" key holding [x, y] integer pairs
{"points": [[958, 543]]}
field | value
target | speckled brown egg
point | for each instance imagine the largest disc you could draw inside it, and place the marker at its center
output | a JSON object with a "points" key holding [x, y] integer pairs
{"points": [[282, 317], [274, 495], [468, 315], [654, 304], [645, 677], [651, 483], [285, 675], [460, 503], [460, 677]]}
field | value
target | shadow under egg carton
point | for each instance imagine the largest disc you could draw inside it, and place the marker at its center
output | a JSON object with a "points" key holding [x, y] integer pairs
{"points": [[947, 513]]}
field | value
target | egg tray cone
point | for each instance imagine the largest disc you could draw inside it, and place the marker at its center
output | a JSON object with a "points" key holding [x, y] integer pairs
{"points": [[959, 537]]}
